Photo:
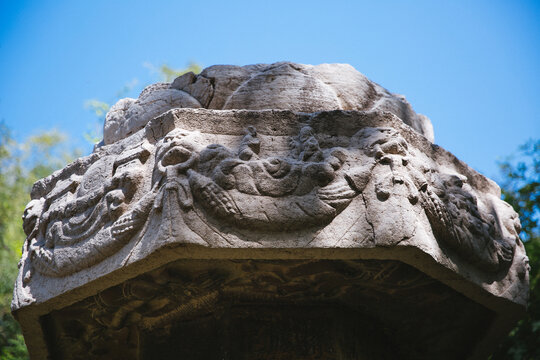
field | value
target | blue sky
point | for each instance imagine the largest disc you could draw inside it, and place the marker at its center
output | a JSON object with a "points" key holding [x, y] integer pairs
{"points": [[473, 67]]}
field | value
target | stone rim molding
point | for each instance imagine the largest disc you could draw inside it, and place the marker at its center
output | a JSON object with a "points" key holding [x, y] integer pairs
{"points": [[343, 164]]}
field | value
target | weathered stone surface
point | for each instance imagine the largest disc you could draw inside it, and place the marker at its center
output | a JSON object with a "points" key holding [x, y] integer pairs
{"points": [[283, 85], [209, 219], [128, 116]]}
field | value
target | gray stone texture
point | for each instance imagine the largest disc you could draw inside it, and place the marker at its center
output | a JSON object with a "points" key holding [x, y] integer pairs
{"points": [[284, 85], [324, 189]]}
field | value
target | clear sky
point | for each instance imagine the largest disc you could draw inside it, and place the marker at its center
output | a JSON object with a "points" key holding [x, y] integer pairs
{"points": [[473, 67]]}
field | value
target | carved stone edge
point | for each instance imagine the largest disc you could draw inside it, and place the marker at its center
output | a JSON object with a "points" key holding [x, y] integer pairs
{"points": [[164, 123], [186, 119]]}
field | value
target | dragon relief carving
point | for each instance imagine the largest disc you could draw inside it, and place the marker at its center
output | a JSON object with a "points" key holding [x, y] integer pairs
{"points": [[86, 219], [448, 201], [70, 229], [273, 194], [456, 220]]}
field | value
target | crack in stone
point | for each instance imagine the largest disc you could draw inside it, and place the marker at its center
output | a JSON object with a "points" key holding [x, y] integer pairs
{"points": [[367, 219]]}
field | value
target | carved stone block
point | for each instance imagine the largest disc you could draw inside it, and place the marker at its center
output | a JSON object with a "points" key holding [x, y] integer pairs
{"points": [[203, 223]]}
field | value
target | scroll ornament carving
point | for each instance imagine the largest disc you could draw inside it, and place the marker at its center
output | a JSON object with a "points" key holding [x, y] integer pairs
{"points": [[88, 218]]}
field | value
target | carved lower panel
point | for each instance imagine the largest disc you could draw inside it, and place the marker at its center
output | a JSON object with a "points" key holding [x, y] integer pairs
{"points": [[195, 309]]}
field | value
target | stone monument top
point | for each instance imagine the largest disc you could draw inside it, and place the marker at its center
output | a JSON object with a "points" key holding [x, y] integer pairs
{"points": [[283, 86], [273, 195]]}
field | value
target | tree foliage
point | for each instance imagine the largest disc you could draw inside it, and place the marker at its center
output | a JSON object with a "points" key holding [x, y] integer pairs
{"points": [[21, 164], [99, 108], [168, 74], [11, 343], [521, 188]]}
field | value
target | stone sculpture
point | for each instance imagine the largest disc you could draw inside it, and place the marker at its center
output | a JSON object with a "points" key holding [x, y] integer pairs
{"points": [[283, 85], [176, 179], [308, 187]]}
